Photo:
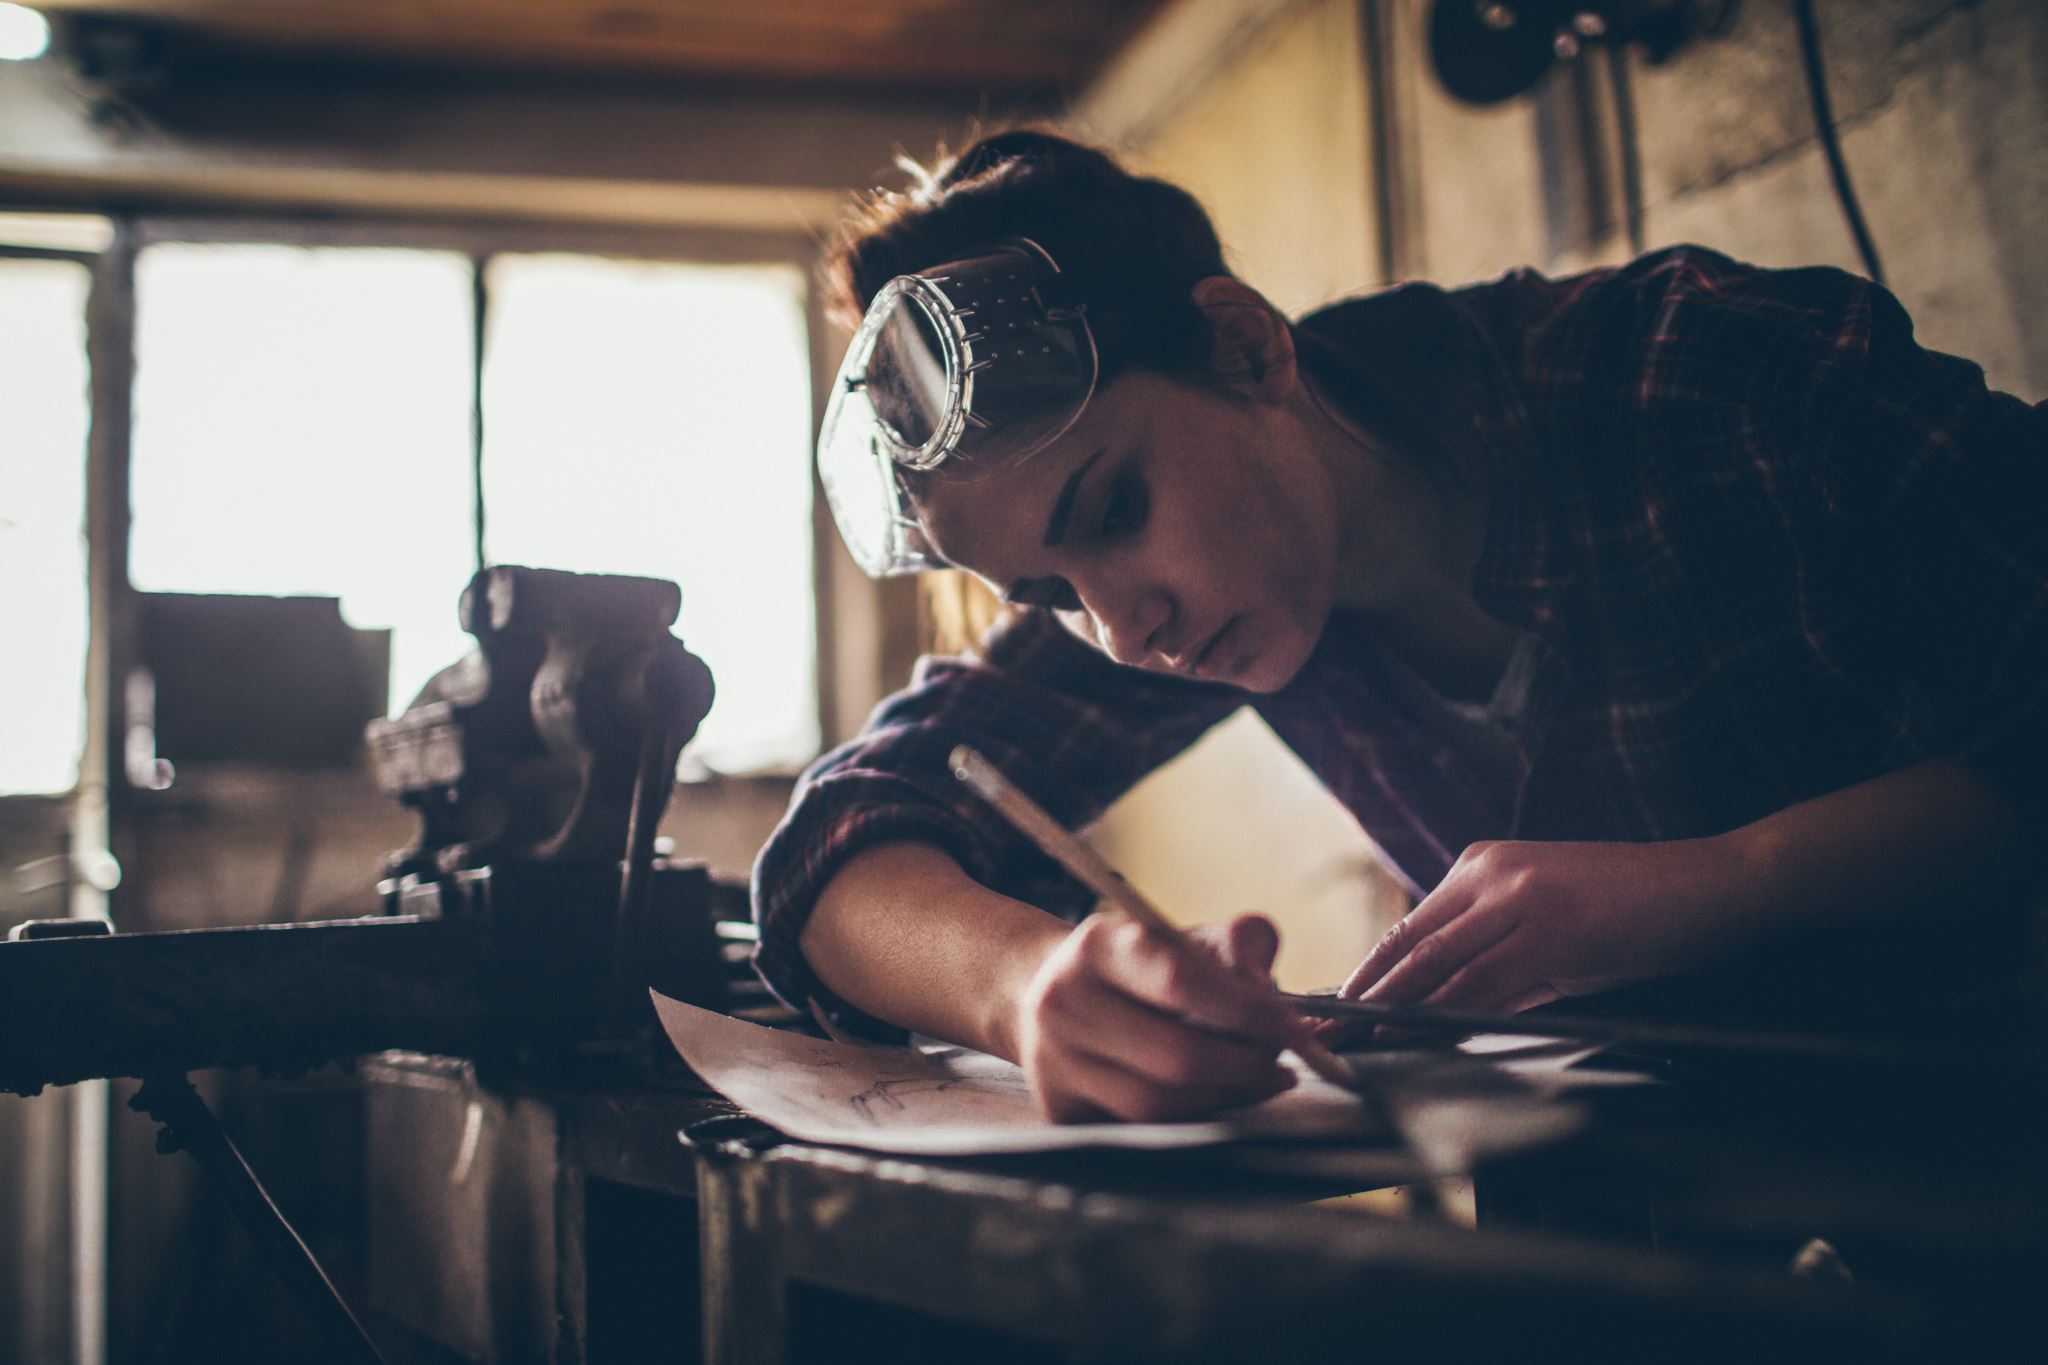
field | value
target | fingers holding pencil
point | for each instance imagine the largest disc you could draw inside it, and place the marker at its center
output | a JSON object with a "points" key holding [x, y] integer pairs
{"points": [[1088, 867], [1124, 1023], [1212, 977]]}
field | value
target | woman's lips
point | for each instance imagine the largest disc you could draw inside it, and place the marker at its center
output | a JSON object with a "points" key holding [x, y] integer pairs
{"points": [[1211, 652]]}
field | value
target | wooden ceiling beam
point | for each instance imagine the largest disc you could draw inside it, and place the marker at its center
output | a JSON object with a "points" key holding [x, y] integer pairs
{"points": [[924, 44]]}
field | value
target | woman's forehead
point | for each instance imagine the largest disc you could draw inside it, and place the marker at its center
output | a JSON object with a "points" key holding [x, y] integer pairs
{"points": [[988, 524]]}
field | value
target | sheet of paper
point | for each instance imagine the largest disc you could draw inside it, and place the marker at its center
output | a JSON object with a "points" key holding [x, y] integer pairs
{"points": [[946, 1102]]}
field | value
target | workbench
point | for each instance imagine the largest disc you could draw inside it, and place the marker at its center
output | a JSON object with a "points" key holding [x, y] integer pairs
{"points": [[649, 1224]]}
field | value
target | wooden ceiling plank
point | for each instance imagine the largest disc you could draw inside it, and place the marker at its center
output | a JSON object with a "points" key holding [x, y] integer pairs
{"points": [[939, 41]]}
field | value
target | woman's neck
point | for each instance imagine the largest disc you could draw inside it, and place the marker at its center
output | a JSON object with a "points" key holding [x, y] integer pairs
{"points": [[1402, 531], [1408, 545]]}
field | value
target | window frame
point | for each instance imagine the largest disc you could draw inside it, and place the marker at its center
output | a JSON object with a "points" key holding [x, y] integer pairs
{"points": [[685, 245], [33, 804]]}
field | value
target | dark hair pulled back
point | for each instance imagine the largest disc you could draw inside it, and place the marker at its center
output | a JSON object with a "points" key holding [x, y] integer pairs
{"points": [[1129, 247]]}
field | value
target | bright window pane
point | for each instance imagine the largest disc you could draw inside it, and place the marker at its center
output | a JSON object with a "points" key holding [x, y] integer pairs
{"points": [[654, 419], [302, 427], [44, 407]]}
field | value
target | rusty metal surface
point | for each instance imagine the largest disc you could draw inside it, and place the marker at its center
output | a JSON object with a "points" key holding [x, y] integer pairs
{"points": [[462, 1212], [630, 1137], [1197, 1278], [517, 1225], [817, 1253]]}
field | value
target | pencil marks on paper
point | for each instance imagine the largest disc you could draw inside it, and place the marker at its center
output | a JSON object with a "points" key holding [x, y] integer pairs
{"points": [[956, 1102], [885, 1099]]}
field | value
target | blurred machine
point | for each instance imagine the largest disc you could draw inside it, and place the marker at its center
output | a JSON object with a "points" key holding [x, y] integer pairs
{"points": [[1488, 51], [521, 928], [515, 923]]}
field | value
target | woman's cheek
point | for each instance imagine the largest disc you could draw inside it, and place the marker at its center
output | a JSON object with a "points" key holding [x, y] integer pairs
{"points": [[1282, 654]]}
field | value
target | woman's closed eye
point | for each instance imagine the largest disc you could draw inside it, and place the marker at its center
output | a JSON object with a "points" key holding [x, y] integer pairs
{"points": [[1123, 513], [1125, 509]]}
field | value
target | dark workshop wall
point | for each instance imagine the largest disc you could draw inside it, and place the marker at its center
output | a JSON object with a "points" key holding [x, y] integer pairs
{"points": [[1942, 107]]}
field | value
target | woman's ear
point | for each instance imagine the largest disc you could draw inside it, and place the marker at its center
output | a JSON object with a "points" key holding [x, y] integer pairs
{"points": [[1250, 344]]}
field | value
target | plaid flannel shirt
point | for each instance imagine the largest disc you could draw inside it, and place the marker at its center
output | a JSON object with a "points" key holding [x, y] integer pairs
{"points": [[1768, 545]]}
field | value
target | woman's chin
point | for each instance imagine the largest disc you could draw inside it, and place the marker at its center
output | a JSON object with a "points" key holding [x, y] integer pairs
{"points": [[1269, 659]]}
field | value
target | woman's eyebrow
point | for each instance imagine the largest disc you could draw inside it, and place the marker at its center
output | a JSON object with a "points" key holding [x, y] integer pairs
{"points": [[1063, 506]]}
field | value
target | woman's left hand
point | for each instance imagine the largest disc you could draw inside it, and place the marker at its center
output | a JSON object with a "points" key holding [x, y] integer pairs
{"points": [[1518, 924]]}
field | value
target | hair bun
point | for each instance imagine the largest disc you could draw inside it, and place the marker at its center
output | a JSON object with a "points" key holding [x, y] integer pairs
{"points": [[1129, 247], [1018, 144]]}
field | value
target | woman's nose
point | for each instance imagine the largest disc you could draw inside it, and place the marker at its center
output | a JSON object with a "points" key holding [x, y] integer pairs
{"points": [[1127, 623]]}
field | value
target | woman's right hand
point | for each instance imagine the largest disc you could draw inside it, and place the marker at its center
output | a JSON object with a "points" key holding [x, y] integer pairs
{"points": [[1123, 1023]]}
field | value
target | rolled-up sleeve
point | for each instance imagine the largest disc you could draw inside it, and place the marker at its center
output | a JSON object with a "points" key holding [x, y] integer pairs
{"points": [[1067, 725]]}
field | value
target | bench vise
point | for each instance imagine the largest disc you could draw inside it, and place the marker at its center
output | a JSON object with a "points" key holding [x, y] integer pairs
{"points": [[527, 918]]}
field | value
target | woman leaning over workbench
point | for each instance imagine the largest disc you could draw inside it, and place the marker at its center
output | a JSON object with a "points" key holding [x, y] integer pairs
{"points": [[1643, 619]]}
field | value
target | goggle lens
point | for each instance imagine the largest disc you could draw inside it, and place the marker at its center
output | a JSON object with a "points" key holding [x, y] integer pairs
{"points": [[907, 378], [959, 372]]}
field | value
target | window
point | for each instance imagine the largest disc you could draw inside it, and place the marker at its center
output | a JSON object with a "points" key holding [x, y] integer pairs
{"points": [[44, 410], [653, 418], [302, 426]]}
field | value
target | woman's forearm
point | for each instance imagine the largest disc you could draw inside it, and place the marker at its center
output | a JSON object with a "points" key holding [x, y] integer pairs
{"points": [[1516, 924], [905, 934], [1935, 831], [1109, 1020]]}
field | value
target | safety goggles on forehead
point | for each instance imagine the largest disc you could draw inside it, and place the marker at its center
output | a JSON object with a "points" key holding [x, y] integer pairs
{"points": [[958, 371]]}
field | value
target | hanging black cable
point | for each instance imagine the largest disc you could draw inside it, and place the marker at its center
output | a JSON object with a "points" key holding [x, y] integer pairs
{"points": [[479, 297], [1824, 121]]}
